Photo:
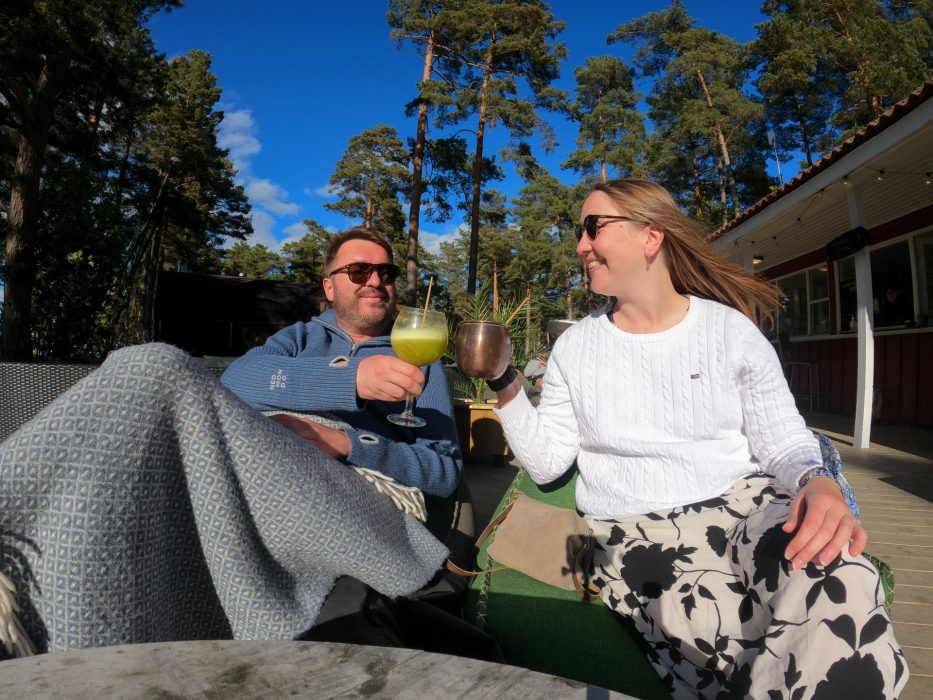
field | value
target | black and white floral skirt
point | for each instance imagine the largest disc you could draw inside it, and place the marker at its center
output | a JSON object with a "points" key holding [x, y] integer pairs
{"points": [[708, 586]]}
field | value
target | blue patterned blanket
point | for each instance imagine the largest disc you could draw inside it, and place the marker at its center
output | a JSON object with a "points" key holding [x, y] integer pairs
{"points": [[148, 503]]}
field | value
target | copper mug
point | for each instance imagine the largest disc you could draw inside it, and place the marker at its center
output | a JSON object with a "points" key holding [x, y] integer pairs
{"points": [[483, 349]]}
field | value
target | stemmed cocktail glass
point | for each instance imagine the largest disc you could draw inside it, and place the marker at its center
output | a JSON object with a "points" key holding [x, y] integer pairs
{"points": [[419, 337]]}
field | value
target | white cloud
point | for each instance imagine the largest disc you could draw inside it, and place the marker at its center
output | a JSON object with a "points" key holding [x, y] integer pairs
{"points": [[293, 232], [269, 200], [270, 196], [296, 230], [238, 135], [263, 225], [322, 191], [431, 241]]}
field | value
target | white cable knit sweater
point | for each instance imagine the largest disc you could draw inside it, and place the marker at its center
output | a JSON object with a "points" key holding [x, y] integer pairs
{"points": [[660, 420]]}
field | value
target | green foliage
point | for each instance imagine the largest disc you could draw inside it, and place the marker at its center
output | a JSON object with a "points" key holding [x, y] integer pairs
{"points": [[204, 205], [612, 130], [254, 261], [698, 93], [369, 177], [871, 54], [116, 114], [304, 258], [500, 45]]}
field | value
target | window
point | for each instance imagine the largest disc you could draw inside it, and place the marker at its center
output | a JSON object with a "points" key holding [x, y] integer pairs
{"points": [[795, 310], [818, 280], [892, 287], [924, 251], [848, 301], [891, 284], [805, 307]]}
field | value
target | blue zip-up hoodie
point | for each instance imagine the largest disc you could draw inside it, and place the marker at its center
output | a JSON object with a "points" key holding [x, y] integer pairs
{"points": [[311, 367]]}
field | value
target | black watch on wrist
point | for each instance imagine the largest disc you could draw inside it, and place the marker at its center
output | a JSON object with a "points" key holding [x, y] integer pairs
{"points": [[499, 383]]}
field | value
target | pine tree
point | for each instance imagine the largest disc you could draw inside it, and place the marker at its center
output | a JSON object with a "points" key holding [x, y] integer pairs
{"points": [[368, 178], [798, 87], [506, 42], [254, 261], [871, 54], [612, 130], [712, 67], [53, 56], [196, 204], [304, 258], [424, 23]]}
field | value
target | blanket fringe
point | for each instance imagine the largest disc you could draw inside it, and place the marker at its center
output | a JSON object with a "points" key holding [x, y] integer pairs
{"points": [[12, 635]]}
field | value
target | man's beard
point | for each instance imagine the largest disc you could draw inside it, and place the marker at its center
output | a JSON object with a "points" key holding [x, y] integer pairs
{"points": [[373, 320]]}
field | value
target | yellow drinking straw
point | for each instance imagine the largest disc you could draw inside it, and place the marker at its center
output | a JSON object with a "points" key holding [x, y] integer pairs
{"points": [[424, 314], [519, 308]]}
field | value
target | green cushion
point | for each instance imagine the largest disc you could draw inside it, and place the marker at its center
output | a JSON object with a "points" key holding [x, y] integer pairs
{"points": [[554, 631]]}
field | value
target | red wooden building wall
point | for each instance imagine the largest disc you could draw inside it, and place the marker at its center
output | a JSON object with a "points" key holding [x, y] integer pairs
{"points": [[903, 374]]}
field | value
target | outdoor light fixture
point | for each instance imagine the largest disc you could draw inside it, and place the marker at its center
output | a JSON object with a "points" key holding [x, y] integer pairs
{"points": [[757, 260], [929, 179]]}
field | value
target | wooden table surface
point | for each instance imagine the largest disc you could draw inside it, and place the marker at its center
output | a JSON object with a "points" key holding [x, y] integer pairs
{"points": [[247, 669]]}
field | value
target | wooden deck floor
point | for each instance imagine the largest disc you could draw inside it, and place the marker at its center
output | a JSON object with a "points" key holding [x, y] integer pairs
{"points": [[894, 484], [893, 481]]}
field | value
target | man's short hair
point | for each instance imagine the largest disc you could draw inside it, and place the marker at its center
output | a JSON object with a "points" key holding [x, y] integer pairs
{"points": [[358, 233]]}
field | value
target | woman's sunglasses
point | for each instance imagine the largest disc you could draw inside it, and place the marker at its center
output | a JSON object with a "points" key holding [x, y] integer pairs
{"points": [[360, 272], [591, 224]]}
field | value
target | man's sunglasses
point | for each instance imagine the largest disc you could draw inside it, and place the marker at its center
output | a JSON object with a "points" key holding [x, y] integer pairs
{"points": [[360, 272], [591, 224]]}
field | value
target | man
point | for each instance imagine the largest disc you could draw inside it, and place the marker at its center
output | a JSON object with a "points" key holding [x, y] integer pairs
{"points": [[179, 512], [342, 364]]}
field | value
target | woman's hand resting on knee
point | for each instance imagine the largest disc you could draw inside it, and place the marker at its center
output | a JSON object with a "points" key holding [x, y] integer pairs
{"points": [[823, 524]]}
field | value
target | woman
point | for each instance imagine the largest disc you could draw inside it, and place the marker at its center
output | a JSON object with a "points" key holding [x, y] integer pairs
{"points": [[720, 534]]}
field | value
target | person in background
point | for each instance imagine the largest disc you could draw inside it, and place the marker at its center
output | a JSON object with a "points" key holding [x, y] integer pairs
{"points": [[719, 531], [534, 373], [895, 309]]}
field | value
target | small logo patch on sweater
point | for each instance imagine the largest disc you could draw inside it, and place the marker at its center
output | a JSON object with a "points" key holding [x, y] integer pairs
{"points": [[277, 380], [695, 375]]}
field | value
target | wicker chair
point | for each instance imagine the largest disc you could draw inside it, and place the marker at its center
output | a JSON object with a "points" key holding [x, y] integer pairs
{"points": [[26, 388]]}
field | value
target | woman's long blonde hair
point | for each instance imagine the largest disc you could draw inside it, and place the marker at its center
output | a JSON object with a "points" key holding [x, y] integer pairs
{"points": [[694, 266]]}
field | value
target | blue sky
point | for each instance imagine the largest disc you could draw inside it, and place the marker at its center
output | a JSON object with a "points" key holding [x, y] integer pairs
{"points": [[300, 78]]}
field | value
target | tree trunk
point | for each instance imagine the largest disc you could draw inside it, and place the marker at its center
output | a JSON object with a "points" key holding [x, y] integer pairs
{"points": [[414, 210], [804, 136], [528, 346], [723, 200], [724, 150], [586, 285], [478, 172], [124, 165], [697, 189], [370, 213], [569, 290], [23, 224], [495, 284]]}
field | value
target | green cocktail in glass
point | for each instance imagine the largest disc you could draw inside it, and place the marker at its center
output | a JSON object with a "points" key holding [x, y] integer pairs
{"points": [[418, 337]]}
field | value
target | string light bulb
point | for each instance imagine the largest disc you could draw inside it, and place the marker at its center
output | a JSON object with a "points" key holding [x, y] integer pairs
{"points": [[880, 176], [845, 180], [929, 179]]}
